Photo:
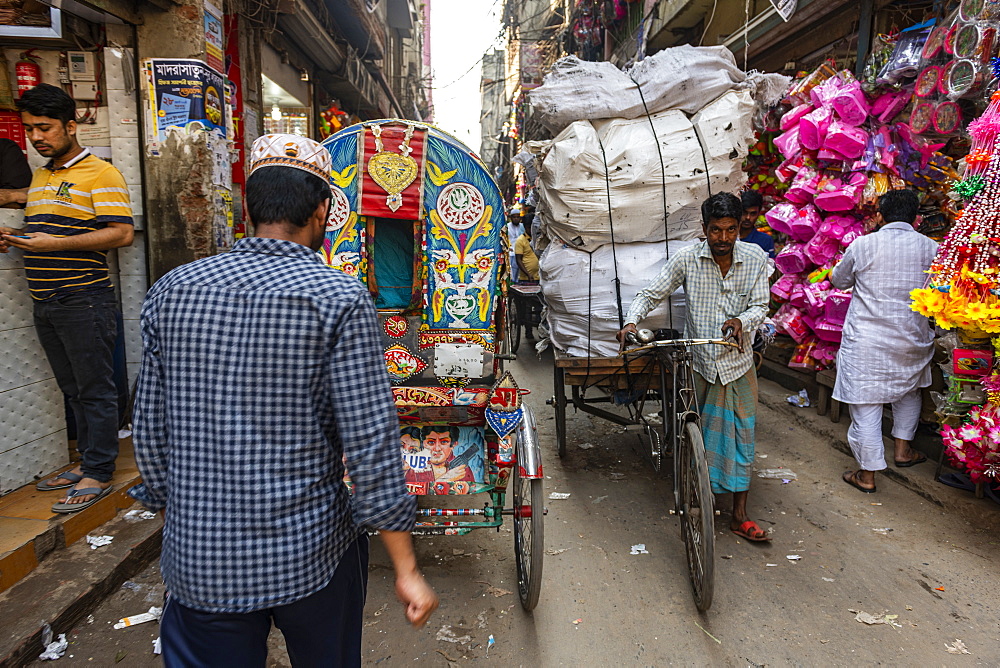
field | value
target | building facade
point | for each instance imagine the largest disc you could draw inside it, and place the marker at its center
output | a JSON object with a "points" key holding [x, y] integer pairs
{"points": [[173, 93]]}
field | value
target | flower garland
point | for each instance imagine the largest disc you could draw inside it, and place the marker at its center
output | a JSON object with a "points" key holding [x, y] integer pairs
{"points": [[964, 289]]}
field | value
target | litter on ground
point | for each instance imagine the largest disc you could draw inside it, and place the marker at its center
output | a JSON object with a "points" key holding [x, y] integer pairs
{"points": [[792, 557], [152, 615], [828, 580], [882, 532], [639, 549], [99, 541], [870, 619], [447, 634], [585, 446], [55, 649], [156, 646], [559, 496], [800, 400], [957, 647], [779, 473], [139, 515]]}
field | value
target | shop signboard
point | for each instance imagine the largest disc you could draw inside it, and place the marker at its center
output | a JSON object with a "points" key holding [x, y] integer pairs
{"points": [[185, 94], [213, 37], [785, 8]]}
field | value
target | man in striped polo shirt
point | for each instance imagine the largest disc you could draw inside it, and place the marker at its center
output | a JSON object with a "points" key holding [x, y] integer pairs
{"points": [[77, 210]]}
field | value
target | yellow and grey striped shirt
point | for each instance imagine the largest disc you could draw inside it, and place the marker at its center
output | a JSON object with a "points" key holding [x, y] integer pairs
{"points": [[81, 196]]}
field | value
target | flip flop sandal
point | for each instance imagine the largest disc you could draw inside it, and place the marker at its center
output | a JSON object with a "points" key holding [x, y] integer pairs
{"points": [[958, 481], [912, 462], [76, 507], [44, 485], [752, 532], [852, 480]]}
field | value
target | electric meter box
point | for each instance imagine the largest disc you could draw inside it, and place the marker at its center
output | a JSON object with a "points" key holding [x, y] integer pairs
{"points": [[81, 66]]}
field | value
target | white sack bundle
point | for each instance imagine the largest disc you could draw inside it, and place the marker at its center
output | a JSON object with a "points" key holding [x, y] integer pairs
{"points": [[579, 290], [574, 195], [681, 77]]}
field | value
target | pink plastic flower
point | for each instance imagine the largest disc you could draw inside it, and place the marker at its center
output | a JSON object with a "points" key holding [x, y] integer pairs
{"points": [[970, 433]]}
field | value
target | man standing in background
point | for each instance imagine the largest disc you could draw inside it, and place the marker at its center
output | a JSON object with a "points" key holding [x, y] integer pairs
{"points": [[15, 175], [77, 210], [752, 203], [887, 347]]}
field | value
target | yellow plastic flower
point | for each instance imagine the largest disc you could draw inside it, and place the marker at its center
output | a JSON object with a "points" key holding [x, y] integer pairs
{"points": [[977, 311]]}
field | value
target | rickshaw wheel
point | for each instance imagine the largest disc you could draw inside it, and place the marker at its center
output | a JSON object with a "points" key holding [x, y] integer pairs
{"points": [[697, 513], [513, 326], [529, 542]]}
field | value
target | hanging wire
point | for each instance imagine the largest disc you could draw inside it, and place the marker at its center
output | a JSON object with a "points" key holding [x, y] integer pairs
{"points": [[746, 35]]}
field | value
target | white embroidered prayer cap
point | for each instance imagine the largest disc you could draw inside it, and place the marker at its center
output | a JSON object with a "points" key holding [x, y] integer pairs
{"points": [[291, 151]]}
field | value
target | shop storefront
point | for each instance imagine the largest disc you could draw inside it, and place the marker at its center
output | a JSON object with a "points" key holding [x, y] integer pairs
{"points": [[88, 53]]}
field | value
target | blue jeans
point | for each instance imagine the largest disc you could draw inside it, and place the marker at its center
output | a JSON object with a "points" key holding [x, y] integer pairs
{"points": [[77, 332], [323, 629]]}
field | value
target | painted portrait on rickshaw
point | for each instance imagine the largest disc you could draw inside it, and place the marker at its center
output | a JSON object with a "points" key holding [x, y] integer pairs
{"points": [[436, 454]]}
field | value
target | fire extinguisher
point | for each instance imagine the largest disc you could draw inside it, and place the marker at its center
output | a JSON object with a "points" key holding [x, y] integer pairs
{"points": [[28, 72]]}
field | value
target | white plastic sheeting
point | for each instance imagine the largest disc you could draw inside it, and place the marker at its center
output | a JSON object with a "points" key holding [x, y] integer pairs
{"points": [[579, 289], [574, 195]]}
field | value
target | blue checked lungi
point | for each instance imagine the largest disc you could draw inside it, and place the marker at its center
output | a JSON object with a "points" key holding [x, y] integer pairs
{"points": [[728, 418]]}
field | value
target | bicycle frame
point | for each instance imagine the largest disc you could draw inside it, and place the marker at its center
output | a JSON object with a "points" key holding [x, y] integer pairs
{"points": [[675, 355]]}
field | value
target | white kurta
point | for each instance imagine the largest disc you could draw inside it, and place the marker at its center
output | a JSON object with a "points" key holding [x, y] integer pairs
{"points": [[887, 347]]}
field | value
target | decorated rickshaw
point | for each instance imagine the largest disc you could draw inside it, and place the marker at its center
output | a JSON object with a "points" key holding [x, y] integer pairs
{"points": [[417, 218]]}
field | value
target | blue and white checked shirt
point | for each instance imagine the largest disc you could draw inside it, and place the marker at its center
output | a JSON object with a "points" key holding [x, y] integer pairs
{"points": [[711, 300], [262, 368]]}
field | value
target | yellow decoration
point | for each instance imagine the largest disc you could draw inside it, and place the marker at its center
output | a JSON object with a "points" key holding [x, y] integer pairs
{"points": [[438, 177], [393, 172], [343, 179]]}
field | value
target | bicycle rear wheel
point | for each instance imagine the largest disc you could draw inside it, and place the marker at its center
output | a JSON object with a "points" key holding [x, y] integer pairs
{"points": [[697, 513]]}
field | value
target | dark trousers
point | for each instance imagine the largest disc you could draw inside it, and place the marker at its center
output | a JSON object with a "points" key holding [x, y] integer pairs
{"points": [[78, 332], [323, 629]]}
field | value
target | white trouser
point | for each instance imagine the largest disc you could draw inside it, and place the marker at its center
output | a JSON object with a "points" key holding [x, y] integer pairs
{"points": [[865, 432]]}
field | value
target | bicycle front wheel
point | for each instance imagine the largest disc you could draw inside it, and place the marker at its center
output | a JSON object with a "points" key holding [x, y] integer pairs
{"points": [[697, 513]]}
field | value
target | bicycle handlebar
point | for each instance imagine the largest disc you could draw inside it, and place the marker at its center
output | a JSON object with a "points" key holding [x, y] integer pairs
{"points": [[677, 343]]}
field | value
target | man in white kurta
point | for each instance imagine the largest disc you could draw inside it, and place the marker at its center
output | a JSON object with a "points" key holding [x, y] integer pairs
{"points": [[886, 350]]}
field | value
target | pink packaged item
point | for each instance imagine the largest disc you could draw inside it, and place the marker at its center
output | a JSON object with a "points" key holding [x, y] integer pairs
{"points": [[780, 216], [839, 196], [828, 331], [805, 223], [821, 249], [798, 297], [787, 170], [856, 230], [803, 358], [790, 320], [788, 143], [803, 187], [792, 259], [792, 117], [782, 288], [813, 128], [837, 304], [836, 225], [845, 140], [851, 104], [825, 353], [815, 294]]}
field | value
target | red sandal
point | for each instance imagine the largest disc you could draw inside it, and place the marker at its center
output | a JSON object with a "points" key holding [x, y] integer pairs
{"points": [[752, 532]]}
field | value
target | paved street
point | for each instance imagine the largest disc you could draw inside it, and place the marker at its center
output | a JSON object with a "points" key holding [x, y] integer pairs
{"points": [[933, 570]]}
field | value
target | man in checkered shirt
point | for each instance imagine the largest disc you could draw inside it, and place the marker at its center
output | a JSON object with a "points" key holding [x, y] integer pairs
{"points": [[262, 370]]}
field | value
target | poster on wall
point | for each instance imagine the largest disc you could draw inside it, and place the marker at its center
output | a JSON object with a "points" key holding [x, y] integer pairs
{"points": [[185, 94], [213, 37]]}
